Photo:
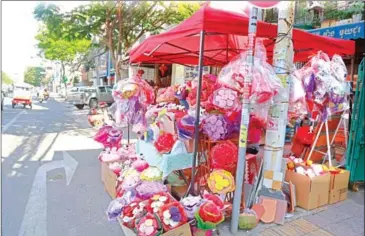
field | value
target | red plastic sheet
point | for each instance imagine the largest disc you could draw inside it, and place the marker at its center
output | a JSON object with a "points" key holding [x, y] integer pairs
{"points": [[226, 37]]}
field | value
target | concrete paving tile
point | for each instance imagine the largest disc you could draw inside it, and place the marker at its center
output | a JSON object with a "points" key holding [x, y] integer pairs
{"points": [[342, 228], [320, 232]]}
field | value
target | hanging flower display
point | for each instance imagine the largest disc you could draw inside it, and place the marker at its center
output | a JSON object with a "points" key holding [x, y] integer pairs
{"points": [[172, 215], [225, 99], [148, 225], [215, 126], [221, 182], [224, 155], [151, 174]]}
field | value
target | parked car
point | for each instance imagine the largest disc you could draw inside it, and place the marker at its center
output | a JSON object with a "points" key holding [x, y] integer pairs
{"points": [[90, 96]]}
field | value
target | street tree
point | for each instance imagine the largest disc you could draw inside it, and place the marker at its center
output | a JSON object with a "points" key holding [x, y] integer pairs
{"points": [[116, 25], [55, 41], [5, 78], [34, 75]]}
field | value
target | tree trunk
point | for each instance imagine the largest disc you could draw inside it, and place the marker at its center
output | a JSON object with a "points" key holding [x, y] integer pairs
{"points": [[117, 66], [63, 77]]}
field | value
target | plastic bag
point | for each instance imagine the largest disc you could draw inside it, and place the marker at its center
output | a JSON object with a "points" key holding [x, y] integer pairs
{"points": [[166, 95], [224, 155], [208, 86], [115, 208]]}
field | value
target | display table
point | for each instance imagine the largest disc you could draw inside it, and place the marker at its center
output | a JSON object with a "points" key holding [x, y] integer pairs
{"points": [[167, 163]]}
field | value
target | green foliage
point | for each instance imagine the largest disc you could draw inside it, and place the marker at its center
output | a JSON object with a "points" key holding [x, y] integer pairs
{"points": [[332, 13], [5, 78], [34, 75]]}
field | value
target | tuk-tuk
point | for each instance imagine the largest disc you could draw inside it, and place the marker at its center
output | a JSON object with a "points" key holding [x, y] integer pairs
{"points": [[22, 94]]}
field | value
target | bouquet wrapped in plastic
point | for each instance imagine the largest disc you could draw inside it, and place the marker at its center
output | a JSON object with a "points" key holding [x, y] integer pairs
{"points": [[208, 86], [147, 189], [132, 212], [265, 83], [216, 127], [208, 216], [221, 182], [325, 84], [149, 225], [157, 201], [224, 155], [191, 204], [185, 127], [172, 215], [225, 99], [134, 87], [164, 143], [116, 206], [166, 95]]}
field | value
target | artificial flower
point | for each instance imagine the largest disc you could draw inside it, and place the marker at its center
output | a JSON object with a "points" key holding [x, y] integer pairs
{"points": [[151, 174]]}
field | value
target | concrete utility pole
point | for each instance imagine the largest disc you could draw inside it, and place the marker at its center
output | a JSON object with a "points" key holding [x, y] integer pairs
{"points": [[245, 120], [278, 112]]}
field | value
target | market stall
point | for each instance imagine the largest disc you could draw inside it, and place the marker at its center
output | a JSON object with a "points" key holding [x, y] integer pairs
{"points": [[197, 125]]}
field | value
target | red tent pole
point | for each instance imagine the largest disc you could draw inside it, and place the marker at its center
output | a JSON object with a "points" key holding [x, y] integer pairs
{"points": [[197, 115], [245, 120]]}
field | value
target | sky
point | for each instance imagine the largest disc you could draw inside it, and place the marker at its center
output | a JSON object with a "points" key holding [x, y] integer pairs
{"points": [[18, 31]]}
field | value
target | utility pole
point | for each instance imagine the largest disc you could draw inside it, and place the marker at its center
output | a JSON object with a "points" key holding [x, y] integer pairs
{"points": [[278, 112], [245, 120]]}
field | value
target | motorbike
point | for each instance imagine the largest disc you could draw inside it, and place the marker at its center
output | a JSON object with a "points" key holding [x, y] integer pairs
{"points": [[99, 116]]}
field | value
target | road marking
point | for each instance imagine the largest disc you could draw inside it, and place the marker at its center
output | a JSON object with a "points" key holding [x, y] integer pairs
{"points": [[12, 121], [35, 217]]}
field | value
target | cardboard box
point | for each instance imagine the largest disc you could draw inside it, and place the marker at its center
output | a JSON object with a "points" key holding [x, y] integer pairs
{"points": [[109, 178], [310, 193], [183, 230], [339, 187]]}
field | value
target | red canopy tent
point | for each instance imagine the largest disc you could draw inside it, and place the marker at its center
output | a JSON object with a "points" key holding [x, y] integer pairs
{"points": [[225, 37]]}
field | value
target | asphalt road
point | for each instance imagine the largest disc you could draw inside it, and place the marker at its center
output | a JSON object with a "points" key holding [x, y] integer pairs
{"points": [[38, 201]]}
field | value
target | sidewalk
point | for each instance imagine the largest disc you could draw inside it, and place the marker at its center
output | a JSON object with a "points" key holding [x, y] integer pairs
{"points": [[343, 218]]}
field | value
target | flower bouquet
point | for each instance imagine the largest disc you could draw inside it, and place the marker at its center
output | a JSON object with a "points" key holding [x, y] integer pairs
{"points": [[172, 215], [224, 156], [208, 216], [221, 182], [132, 212], [151, 174], [149, 225], [191, 204], [157, 201], [147, 189], [164, 143]]}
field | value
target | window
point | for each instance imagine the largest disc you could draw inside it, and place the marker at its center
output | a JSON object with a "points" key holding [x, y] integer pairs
{"points": [[102, 89], [91, 90], [109, 89]]}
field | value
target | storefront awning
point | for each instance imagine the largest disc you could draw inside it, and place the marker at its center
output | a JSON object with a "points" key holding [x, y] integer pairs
{"points": [[348, 31]]}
